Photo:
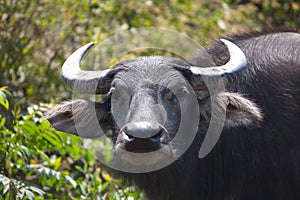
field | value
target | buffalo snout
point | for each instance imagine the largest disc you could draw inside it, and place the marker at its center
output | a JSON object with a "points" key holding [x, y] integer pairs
{"points": [[142, 137]]}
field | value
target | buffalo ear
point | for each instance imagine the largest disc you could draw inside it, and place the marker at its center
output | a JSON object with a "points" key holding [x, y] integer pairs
{"points": [[240, 111], [80, 117]]}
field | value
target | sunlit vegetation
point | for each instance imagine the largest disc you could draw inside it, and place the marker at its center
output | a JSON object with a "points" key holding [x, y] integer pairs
{"points": [[37, 162]]}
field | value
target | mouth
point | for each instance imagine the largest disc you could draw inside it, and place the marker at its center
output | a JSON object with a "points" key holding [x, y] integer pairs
{"points": [[143, 156], [162, 148], [143, 144]]}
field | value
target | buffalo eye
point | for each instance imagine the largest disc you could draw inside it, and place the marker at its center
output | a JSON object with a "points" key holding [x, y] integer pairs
{"points": [[168, 95], [118, 93], [114, 94], [181, 93]]}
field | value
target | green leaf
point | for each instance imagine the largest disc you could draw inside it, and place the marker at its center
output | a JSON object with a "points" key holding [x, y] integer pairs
{"points": [[28, 127], [103, 186], [8, 116], [72, 181], [48, 172], [55, 162], [3, 100], [42, 153], [53, 138], [28, 189], [2, 121], [4, 183]]}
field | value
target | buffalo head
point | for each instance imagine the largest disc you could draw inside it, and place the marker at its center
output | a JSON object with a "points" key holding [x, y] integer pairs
{"points": [[148, 101]]}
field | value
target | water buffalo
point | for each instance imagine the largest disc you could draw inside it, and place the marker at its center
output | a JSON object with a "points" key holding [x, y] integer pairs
{"points": [[146, 100]]}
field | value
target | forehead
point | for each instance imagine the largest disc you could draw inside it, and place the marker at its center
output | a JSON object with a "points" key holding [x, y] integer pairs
{"points": [[150, 70]]}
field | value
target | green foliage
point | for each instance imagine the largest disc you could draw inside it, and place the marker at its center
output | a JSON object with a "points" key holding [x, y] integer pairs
{"points": [[37, 162], [36, 36]]}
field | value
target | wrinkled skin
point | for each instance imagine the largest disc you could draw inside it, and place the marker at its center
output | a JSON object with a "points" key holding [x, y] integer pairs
{"points": [[257, 155], [136, 97]]}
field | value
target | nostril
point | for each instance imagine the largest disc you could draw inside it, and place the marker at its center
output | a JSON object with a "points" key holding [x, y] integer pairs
{"points": [[157, 137]]}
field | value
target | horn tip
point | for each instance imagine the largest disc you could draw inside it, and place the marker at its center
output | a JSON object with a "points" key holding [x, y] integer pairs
{"points": [[84, 49], [225, 41], [89, 45]]}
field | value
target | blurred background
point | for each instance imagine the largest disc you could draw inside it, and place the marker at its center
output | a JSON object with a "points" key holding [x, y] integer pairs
{"points": [[36, 36]]}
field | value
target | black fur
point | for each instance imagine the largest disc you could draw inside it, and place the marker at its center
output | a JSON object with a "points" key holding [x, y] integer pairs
{"points": [[261, 163]]}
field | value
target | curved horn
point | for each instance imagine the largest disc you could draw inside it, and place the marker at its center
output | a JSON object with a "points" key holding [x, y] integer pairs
{"points": [[236, 63], [87, 82]]}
